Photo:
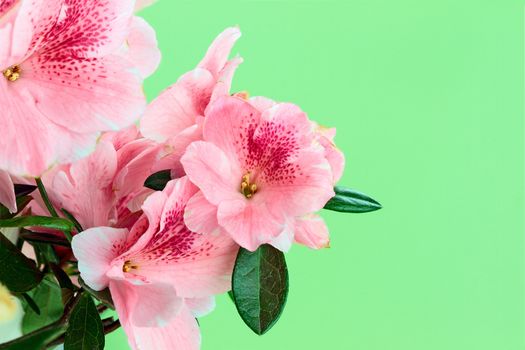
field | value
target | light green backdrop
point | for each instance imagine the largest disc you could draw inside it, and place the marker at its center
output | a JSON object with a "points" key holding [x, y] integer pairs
{"points": [[428, 100]]}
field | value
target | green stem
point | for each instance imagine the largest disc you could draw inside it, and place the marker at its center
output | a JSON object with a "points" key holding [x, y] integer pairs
{"points": [[49, 205], [45, 198]]}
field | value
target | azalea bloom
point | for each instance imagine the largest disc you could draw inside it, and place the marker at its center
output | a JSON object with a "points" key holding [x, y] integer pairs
{"points": [[107, 187], [175, 117], [66, 77], [161, 275], [257, 173]]}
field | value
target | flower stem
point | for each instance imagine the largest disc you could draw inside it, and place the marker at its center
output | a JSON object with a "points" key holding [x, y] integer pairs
{"points": [[45, 198], [49, 205]]}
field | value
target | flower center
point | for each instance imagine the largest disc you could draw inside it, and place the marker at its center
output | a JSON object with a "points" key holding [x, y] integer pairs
{"points": [[248, 189], [128, 266], [12, 73]]}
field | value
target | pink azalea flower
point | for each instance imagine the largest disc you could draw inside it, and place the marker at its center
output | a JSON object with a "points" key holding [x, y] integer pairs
{"points": [[107, 187], [175, 117], [160, 274], [65, 78], [257, 172]]}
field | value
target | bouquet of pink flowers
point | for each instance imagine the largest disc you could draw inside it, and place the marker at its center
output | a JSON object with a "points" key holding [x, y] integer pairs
{"points": [[150, 210]]}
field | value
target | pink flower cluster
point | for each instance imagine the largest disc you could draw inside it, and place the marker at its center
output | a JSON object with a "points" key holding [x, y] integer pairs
{"points": [[246, 171]]}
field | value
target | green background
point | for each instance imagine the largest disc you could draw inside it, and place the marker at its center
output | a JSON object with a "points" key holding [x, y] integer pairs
{"points": [[427, 97]]}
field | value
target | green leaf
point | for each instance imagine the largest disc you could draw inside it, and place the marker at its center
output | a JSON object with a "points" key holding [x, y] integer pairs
{"points": [[18, 273], [85, 331], [38, 340], [40, 221], [347, 200], [21, 203], [48, 296], [45, 253], [31, 303], [43, 237], [260, 287], [158, 180]]}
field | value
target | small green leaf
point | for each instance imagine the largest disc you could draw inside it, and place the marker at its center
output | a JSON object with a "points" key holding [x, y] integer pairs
{"points": [[48, 296], [21, 203], [158, 180], [347, 200], [260, 287], [85, 330], [39, 221], [38, 340], [18, 273]]}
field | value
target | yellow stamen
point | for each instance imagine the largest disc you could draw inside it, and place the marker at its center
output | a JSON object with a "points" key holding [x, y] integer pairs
{"points": [[12, 73], [248, 189], [127, 267]]}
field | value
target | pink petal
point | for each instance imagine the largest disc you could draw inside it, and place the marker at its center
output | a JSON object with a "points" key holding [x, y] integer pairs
{"points": [[262, 103], [95, 95], [89, 28], [141, 4], [229, 123], [179, 330], [309, 190], [143, 50], [85, 190], [23, 153], [175, 148], [218, 53], [311, 231], [178, 107], [182, 333], [209, 169], [335, 157], [156, 306], [249, 222], [7, 192], [197, 265], [200, 306], [95, 249], [200, 215], [284, 241], [223, 86]]}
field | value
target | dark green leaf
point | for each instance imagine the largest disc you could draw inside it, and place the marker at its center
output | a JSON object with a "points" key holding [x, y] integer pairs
{"points": [[260, 287], [38, 340], [24, 190], [31, 303], [72, 219], [45, 253], [18, 273], [85, 331], [104, 295], [42, 237], [158, 180], [62, 277], [48, 297], [21, 203], [39, 221], [347, 200]]}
